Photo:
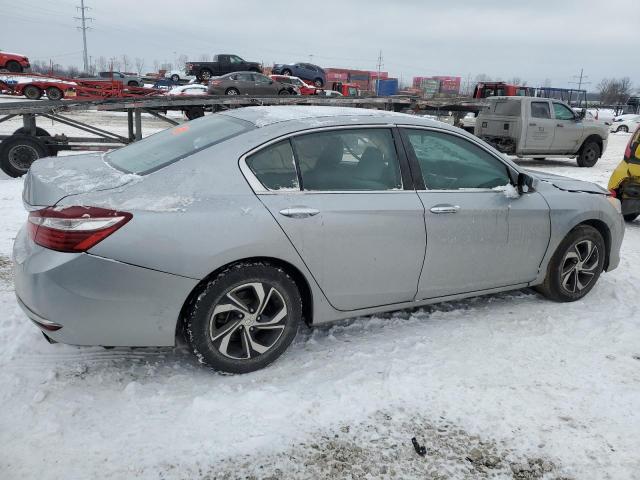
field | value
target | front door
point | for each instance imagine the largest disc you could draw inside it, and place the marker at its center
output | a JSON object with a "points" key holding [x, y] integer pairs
{"points": [[264, 85], [569, 130], [480, 233], [540, 128], [360, 233]]}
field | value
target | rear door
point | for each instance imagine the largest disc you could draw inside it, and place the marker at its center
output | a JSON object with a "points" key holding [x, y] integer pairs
{"points": [[569, 130], [353, 216], [478, 236], [539, 126]]}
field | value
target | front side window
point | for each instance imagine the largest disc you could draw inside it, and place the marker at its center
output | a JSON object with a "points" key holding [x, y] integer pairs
{"points": [[234, 59], [540, 110], [348, 159], [275, 167], [261, 78], [562, 112], [449, 162]]}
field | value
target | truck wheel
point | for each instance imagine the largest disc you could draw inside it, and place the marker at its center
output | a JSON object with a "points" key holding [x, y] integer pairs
{"points": [[630, 217], [13, 66], [318, 82], [40, 132], [175, 78], [54, 93], [32, 92], [589, 154], [205, 74], [194, 112], [286, 72], [18, 152]]}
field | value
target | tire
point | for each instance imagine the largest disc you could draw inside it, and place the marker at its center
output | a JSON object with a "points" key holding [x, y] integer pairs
{"points": [[13, 66], [582, 268], [539, 158], [232, 91], [622, 128], [283, 92], [40, 132], [32, 92], [18, 152], [630, 217], [54, 93], [205, 74], [228, 340], [286, 72], [589, 154], [318, 83], [133, 83], [194, 112], [175, 78]]}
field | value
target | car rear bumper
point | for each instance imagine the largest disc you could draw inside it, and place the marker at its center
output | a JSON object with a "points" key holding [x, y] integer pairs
{"points": [[82, 299]]}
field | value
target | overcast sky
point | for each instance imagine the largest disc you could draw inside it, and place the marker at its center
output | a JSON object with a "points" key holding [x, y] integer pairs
{"points": [[533, 40]]}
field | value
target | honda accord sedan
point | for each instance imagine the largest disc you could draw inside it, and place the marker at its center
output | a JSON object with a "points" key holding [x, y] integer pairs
{"points": [[236, 228]]}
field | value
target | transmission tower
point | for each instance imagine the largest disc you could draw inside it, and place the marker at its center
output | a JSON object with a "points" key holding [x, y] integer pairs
{"points": [[83, 22], [379, 68], [581, 79]]}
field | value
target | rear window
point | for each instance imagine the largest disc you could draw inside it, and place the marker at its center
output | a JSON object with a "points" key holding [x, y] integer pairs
{"points": [[175, 143], [508, 108]]}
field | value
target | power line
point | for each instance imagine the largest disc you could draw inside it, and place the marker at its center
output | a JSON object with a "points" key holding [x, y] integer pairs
{"points": [[581, 78], [83, 18]]}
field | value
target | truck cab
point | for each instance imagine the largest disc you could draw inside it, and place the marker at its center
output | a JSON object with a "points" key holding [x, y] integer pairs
{"points": [[346, 89]]}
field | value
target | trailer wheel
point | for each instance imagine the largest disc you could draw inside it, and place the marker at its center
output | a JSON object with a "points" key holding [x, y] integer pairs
{"points": [[13, 66], [194, 112], [54, 93], [18, 152], [40, 132], [32, 92]]}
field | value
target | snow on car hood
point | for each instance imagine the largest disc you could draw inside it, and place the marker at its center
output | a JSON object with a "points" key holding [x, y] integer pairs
{"points": [[51, 179], [567, 183]]}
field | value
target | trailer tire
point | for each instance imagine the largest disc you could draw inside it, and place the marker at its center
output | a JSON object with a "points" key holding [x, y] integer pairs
{"points": [[54, 93], [32, 92], [40, 132], [13, 66], [589, 153], [194, 112], [18, 152]]}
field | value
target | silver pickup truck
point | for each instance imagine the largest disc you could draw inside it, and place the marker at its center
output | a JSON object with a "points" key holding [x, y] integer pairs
{"points": [[541, 127]]}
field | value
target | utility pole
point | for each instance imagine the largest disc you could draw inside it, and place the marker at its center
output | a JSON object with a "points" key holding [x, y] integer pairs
{"points": [[581, 79], [84, 19], [378, 77]]}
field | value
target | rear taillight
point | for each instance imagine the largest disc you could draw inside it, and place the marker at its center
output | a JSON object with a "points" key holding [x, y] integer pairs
{"points": [[613, 193], [74, 229], [215, 82], [627, 151]]}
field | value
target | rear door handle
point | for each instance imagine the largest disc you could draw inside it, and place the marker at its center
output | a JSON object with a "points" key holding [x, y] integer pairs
{"points": [[299, 212], [444, 209]]}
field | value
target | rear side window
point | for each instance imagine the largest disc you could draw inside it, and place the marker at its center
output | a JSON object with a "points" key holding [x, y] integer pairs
{"points": [[275, 167], [509, 108], [540, 110], [175, 143]]}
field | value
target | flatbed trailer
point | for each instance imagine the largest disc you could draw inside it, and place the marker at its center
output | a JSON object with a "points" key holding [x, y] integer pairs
{"points": [[30, 142]]}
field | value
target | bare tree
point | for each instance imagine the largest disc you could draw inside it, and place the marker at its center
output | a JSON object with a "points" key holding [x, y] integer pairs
{"points": [[614, 91], [113, 64], [126, 61], [181, 60], [139, 65], [101, 63], [546, 83], [156, 65], [482, 77], [204, 57]]}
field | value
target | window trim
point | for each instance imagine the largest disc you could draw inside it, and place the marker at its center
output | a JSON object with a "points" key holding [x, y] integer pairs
{"points": [[563, 119], [417, 171], [259, 189]]}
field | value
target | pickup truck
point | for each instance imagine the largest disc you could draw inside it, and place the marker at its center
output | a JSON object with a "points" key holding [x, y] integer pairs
{"points": [[221, 65], [541, 127]]}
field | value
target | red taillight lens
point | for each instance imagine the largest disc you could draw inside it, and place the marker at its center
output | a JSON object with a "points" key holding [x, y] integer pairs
{"points": [[215, 82], [74, 229], [613, 193], [627, 151]]}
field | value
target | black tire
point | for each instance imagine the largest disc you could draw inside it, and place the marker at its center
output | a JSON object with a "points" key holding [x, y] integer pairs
{"points": [[18, 152], [175, 78], [286, 72], [630, 217], [539, 158], [589, 154], [204, 74], [622, 128], [563, 282], [32, 92], [194, 112], [240, 327], [133, 83], [283, 92], [40, 132], [13, 66], [54, 93], [232, 91], [318, 83]]}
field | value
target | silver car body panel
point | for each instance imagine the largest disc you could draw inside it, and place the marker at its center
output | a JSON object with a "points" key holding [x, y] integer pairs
{"points": [[195, 216]]}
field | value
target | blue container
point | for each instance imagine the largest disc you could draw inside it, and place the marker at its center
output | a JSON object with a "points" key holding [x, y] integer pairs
{"points": [[387, 87]]}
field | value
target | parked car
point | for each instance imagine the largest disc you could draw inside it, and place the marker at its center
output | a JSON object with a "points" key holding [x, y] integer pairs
{"points": [[13, 62], [541, 127], [128, 79], [306, 71], [189, 89], [248, 83], [625, 123], [221, 65], [303, 88], [468, 122], [625, 179], [236, 228], [176, 75]]}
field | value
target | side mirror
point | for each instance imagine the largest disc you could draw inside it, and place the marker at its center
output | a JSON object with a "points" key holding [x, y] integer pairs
{"points": [[525, 183], [581, 114], [270, 82]]}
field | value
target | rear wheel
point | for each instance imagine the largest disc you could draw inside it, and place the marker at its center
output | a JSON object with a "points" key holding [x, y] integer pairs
{"points": [[54, 93], [283, 92], [589, 154], [575, 266], [175, 78], [245, 318], [232, 91], [318, 82], [205, 74], [18, 152], [630, 217], [286, 72], [194, 112], [40, 132], [623, 128], [133, 83], [13, 66], [32, 92]]}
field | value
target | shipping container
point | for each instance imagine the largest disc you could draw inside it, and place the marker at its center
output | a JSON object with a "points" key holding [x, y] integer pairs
{"points": [[386, 87], [430, 87]]}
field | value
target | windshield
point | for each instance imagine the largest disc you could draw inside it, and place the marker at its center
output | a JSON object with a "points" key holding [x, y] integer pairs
{"points": [[175, 143]]}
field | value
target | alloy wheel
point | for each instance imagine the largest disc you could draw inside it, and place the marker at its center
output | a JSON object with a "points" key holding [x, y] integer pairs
{"points": [[579, 266], [248, 320]]}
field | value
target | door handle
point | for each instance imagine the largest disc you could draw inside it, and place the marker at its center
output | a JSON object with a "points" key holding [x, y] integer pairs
{"points": [[444, 209], [299, 212], [533, 124]]}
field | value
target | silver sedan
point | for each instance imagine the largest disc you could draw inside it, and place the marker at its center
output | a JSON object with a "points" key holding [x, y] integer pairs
{"points": [[236, 228]]}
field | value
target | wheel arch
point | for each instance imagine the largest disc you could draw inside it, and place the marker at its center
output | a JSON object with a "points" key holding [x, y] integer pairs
{"points": [[598, 140], [298, 277], [603, 229]]}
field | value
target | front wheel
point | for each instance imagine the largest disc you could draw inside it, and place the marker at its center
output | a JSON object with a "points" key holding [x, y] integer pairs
{"points": [[630, 217], [54, 93], [283, 92], [245, 318], [589, 154], [575, 266], [175, 78], [232, 91], [318, 82], [623, 128], [14, 66], [32, 92]]}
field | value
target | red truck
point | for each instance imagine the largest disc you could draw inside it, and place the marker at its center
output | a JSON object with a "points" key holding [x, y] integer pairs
{"points": [[500, 89], [13, 62]]}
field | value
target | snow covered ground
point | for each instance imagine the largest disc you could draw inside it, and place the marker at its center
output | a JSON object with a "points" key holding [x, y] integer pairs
{"points": [[503, 386]]}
